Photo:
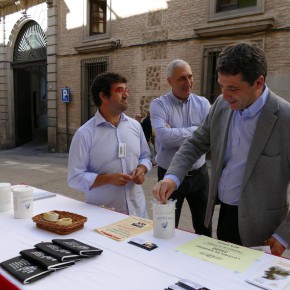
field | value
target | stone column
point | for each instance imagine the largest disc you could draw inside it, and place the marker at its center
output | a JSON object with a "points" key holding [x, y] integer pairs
{"points": [[52, 75]]}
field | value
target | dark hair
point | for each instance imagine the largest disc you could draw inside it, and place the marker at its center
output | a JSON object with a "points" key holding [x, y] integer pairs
{"points": [[103, 83], [246, 58]]}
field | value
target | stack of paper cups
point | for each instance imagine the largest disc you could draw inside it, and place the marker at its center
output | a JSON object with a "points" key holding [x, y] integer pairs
{"points": [[164, 219], [23, 202], [5, 196]]}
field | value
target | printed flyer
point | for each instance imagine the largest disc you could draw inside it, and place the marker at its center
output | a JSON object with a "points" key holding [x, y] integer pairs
{"points": [[274, 276], [224, 254], [126, 228]]}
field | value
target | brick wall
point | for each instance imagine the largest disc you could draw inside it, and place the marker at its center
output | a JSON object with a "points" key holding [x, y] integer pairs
{"points": [[151, 33]]}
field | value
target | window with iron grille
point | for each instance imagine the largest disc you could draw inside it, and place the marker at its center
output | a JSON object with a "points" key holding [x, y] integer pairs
{"points": [[211, 88], [98, 16], [224, 9], [90, 69], [226, 5], [30, 44]]}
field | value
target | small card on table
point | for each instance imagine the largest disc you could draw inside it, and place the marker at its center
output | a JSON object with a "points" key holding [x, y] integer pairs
{"points": [[146, 245]]}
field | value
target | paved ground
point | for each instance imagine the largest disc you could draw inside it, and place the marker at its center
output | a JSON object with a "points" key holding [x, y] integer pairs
{"points": [[31, 164]]}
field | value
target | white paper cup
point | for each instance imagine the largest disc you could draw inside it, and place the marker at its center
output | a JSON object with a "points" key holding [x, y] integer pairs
{"points": [[163, 219], [5, 196], [23, 202]]}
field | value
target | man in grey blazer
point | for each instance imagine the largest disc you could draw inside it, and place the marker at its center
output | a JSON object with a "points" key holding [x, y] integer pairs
{"points": [[247, 131]]}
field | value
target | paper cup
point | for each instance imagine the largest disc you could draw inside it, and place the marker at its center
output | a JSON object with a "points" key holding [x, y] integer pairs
{"points": [[5, 196], [23, 202], [164, 219]]}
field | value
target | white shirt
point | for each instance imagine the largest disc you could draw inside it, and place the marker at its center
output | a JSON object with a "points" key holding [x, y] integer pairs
{"points": [[94, 150]]}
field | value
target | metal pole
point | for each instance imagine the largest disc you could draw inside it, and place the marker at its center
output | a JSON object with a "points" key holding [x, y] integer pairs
{"points": [[67, 141]]}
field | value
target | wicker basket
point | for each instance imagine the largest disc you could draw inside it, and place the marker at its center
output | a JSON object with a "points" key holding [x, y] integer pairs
{"points": [[77, 223]]}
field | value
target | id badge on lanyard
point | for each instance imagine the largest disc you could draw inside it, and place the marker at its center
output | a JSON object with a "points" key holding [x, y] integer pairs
{"points": [[122, 150]]}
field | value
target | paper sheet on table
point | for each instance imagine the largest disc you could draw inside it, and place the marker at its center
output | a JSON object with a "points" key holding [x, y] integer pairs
{"points": [[224, 254], [41, 194], [126, 228], [37, 192]]}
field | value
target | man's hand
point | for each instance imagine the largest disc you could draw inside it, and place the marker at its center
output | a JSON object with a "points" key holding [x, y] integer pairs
{"points": [[276, 247], [117, 179], [138, 174], [163, 189], [120, 179]]}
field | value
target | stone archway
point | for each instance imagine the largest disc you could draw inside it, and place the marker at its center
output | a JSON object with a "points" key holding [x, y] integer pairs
{"points": [[30, 81]]}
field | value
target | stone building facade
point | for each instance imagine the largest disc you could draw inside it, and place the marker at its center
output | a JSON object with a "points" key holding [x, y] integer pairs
{"points": [[135, 38]]}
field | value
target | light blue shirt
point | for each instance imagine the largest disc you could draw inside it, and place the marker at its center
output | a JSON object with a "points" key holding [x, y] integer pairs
{"points": [[242, 128], [183, 118], [241, 132], [94, 150]]}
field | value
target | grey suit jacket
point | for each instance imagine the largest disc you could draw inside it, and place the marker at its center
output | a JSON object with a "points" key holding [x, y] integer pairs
{"points": [[263, 205]]}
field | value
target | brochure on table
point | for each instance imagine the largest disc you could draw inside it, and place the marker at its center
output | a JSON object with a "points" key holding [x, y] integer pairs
{"points": [[126, 228], [224, 254], [274, 276]]}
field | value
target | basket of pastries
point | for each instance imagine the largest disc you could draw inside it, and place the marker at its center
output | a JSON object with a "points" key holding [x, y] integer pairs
{"points": [[60, 222]]}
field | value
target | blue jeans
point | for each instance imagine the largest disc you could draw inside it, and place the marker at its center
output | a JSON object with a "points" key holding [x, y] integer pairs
{"points": [[194, 189]]}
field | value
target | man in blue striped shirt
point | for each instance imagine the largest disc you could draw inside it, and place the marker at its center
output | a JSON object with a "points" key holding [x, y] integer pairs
{"points": [[175, 117]]}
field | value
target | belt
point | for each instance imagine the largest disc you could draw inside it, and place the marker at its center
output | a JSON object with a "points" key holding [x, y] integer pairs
{"points": [[194, 171], [228, 206]]}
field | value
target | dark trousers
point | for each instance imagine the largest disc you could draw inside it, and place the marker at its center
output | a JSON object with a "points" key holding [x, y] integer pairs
{"points": [[195, 189], [228, 225]]}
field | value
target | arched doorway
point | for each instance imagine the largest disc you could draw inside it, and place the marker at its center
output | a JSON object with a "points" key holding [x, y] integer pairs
{"points": [[30, 84]]}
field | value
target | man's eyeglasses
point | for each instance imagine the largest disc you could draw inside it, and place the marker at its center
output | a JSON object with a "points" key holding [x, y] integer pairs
{"points": [[120, 90]]}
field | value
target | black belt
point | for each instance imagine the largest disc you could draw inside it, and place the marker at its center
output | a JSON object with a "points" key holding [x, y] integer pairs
{"points": [[229, 206], [194, 171]]}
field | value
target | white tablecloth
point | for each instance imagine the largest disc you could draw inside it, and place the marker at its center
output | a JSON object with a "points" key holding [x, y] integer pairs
{"points": [[121, 265]]}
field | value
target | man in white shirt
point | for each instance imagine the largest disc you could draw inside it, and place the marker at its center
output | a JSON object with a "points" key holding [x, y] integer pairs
{"points": [[109, 155], [174, 118]]}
